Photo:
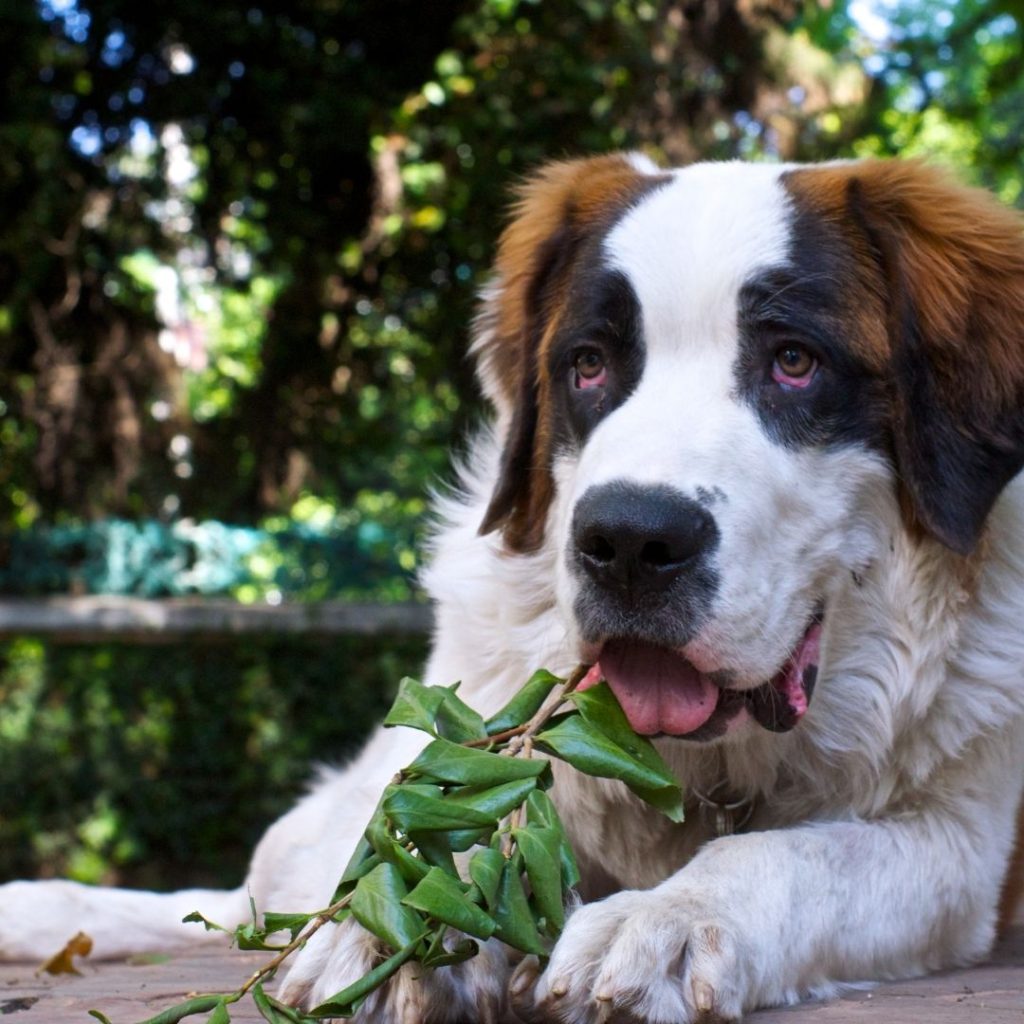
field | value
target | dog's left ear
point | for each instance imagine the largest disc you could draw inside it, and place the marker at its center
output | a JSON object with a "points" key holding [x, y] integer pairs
{"points": [[952, 259], [557, 210]]}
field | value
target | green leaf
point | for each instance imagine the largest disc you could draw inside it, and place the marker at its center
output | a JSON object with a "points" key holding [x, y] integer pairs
{"points": [[291, 923], [512, 915], [197, 1004], [220, 1015], [541, 811], [540, 849], [586, 748], [378, 833], [438, 956], [416, 706], [457, 720], [525, 704], [667, 799], [389, 849], [496, 801], [251, 937], [414, 812], [274, 1012], [436, 850], [450, 762], [465, 839], [485, 867], [211, 926], [377, 906], [351, 877], [599, 706], [411, 868], [356, 867], [440, 896], [101, 1017], [348, 1000]]}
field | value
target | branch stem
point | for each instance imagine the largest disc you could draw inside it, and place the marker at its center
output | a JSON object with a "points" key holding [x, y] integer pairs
{"points": [[300, 940]]}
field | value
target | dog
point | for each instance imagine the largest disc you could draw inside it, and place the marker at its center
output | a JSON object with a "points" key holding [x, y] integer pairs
{"points": [[753, 457]]}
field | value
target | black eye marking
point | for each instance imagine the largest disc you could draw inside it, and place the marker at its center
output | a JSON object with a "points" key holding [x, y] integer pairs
{"points": [[798, 366], [597, 353]]}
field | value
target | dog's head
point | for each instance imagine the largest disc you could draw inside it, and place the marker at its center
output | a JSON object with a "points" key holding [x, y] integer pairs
{"points": [[720, 389]]}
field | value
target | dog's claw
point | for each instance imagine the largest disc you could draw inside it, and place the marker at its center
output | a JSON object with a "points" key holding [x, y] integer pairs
{"points": [[520, 989], [703, 996], [524, 977]]}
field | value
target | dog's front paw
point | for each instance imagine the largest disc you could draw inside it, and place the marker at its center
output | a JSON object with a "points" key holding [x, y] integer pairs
{"points": [[636, 956], [472, 991]]}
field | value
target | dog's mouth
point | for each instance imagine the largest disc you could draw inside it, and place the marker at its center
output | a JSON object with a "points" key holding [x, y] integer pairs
{"points": [[663, 694]]}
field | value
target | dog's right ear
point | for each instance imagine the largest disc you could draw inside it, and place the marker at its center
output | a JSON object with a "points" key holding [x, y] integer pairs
{"points": [[556, 210]]}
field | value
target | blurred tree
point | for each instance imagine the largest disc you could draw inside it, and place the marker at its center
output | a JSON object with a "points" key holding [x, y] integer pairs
{"points": [[949, 85], [243, 240], [158, 129]]}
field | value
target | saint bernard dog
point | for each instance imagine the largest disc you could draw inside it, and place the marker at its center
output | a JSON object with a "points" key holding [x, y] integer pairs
{"points": [[753, 458]]}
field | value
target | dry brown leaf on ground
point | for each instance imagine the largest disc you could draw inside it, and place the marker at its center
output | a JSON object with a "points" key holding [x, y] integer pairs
{"points": [[63, 962]]}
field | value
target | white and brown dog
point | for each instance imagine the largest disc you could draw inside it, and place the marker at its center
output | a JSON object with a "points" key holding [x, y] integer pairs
{"points": [[756, 435]]}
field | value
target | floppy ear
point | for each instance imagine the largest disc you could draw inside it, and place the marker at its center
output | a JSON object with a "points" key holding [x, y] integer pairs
{"points": [[556, 210], [952, 259]]}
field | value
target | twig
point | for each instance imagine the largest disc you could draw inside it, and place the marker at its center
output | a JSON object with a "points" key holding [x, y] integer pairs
{"points": [[545, 712], [539, 720], [300, 940]]}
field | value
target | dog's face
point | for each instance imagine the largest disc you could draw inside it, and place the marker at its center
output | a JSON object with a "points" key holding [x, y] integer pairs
{"points": [[723, 388]]}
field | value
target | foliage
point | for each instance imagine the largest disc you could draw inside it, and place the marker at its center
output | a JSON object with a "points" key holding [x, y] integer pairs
{"points": [[476, 788], [350, 559], [947, 83], [127, 764], [242, 243]]}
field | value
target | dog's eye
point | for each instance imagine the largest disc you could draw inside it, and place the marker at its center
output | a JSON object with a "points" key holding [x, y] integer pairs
{"points": [[590, 369], [794, 366]]}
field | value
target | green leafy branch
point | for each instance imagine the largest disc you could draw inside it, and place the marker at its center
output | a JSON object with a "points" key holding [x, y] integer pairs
{"points": [[478, 790]]}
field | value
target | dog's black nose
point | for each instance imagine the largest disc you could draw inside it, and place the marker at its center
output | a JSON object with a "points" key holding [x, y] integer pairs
{"points": [[639, 538]]}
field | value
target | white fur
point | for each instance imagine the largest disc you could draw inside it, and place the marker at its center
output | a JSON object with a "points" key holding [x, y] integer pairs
{"points": [[884, 821]]}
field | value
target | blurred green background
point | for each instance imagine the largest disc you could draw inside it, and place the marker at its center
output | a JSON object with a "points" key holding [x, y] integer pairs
{"points": [[239, 248]]}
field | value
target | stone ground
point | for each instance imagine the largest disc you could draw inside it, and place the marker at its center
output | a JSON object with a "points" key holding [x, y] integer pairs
{"points": [[128, 992]]}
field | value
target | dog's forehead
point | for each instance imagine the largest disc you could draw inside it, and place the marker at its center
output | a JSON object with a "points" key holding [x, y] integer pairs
{"points": [[688, 247]]}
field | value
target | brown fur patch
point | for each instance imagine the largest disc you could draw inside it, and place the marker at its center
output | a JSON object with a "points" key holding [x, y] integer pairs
{"points": [[556, 211], [962, 253], [570, 197], [1013, 883], [946, 262]]}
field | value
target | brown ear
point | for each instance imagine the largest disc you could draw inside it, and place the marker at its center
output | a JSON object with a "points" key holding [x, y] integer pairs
{"points": [[952, 259], [556, 211]]}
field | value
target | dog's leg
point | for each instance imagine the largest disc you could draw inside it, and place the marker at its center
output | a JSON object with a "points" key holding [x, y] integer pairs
{"points": [[766, 918], [37, 918]]}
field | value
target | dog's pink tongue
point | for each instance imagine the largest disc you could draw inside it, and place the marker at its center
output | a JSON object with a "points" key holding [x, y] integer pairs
{"points": [[659, 691]]}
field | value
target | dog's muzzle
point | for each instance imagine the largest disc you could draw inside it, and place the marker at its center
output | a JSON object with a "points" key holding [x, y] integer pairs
{"points": [[643, 557], [643, 560]]}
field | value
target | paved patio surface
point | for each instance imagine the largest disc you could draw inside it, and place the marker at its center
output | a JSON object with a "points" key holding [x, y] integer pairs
{"points": [[128, 992]]}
